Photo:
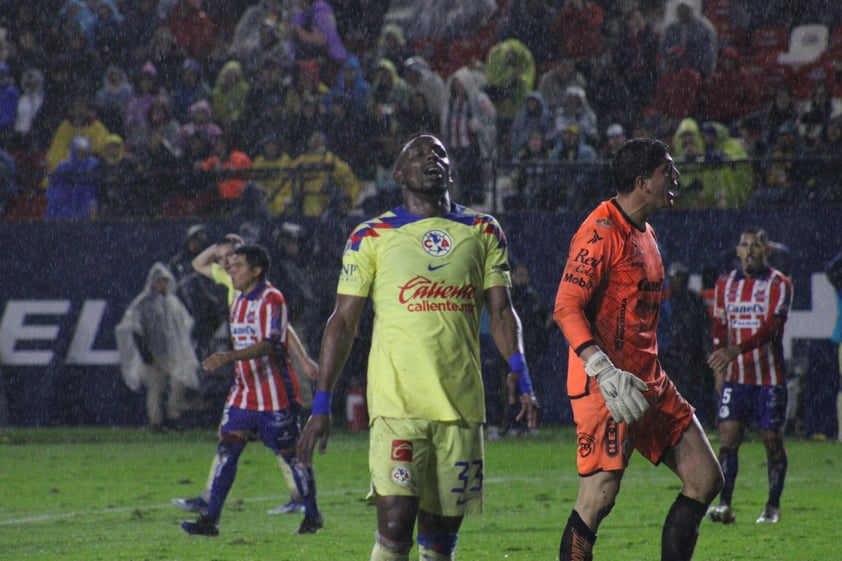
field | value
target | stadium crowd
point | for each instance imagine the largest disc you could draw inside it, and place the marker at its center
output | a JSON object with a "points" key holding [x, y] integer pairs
{"points": [[116, 110]]}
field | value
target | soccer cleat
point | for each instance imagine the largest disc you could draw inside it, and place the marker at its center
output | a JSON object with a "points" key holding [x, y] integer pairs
{"points": [[770, 515], [204, 526], [292, 507], [721, 513], [310, 525], [196, 504]]}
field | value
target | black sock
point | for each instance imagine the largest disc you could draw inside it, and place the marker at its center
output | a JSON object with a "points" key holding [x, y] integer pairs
{"points": [[730, 463], [681, 529], [577, 540], [777, 475]]}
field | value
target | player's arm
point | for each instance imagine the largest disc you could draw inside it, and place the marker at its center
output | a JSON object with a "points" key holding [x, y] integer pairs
{"points": [[585, 267], [296, 347], [203, 263], [506, 331], [262, 348], [337, 341]]}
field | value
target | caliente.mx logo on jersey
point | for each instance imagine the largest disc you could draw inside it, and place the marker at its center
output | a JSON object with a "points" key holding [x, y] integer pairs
{"points": [[437, 243]]}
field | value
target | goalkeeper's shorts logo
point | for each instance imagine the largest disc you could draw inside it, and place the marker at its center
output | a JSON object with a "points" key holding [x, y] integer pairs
{"points": [[586, 442]]}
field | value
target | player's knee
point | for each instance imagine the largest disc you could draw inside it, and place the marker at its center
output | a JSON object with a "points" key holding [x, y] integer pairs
{"points": [[437, 547], [230, 445], [604, 511], [389, 550]]}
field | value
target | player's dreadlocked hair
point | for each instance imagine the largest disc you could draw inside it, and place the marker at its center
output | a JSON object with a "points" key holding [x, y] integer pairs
{"points": [[637, 157]]}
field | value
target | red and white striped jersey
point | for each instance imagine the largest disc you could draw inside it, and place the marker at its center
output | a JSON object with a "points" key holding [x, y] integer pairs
{"points": [[750, 312], [266, 383]]}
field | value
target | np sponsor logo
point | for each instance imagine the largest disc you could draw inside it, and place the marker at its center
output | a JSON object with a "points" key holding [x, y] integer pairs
{"points": [[401, 451], [437, 243]]}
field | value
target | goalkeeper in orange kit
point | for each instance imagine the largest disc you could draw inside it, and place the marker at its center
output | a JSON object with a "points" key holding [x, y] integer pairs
{"points": [[607, 306]]}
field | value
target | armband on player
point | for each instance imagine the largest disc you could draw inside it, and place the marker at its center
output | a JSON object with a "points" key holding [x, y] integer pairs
{"points": [[517, 364], [321, 403]]}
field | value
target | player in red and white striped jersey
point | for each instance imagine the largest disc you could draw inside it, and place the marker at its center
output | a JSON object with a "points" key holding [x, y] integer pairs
{"points": [[750, 309], [264, 398]]}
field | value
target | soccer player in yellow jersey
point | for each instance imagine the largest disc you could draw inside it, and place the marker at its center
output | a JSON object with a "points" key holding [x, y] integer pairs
{"points": [[429, 267]]}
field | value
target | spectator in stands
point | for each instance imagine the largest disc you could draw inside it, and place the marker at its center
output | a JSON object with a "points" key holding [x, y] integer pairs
{"points": [[112, 99], [80, 121], [72, 189], [615, 137], [510, 75], [350, 134], [707, 180], [307, 85], [580, 175], [30, 133], [815, 113], [428, 83], [9, 97], [579, 23], [229, 95], [192, 28], [678, 89], [167, 56], [785, 175], [359, 22], [554, 82], [118, 182], [636, 53], [28, 51], [351, 82], [608, 93], [190, 88], [533, 175], [108, 36], [417, 117], [270, 48], [226, 160], [696, 35], [827, 185], [391, 45], [577, 111], [84, 15], [196, 239], [159, 124], [262, 119], [309, 118], [272, 167], [84, 64], [387, 98], [248, 31], [534, 115], [530, 22], [320, 174], [183, 189], [469, 132], [781, 111], [732, 90], [313, 36], [143, 20], [200, 121], [146, 87]]}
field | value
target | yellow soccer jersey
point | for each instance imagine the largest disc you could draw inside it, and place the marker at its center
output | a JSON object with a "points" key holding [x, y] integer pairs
{"points": [[223, 278], [426, 278]]}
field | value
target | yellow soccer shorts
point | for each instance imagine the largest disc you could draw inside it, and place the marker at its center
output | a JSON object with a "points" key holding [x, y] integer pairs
{"points": [[439, 462]]}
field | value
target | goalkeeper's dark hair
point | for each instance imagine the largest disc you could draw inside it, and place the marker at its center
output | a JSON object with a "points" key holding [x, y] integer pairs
{"points": [[638, 157], [256, 256]]}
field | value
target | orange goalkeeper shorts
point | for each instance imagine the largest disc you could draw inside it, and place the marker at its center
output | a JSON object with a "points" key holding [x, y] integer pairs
{"points": [[606, 445]]}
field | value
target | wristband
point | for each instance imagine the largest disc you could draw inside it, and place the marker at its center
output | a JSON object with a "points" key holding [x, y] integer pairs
{"points": [[517, 364], [321, 403]]}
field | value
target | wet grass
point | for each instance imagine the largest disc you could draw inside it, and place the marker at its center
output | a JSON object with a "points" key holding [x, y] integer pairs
{"points": [[103, 494]]}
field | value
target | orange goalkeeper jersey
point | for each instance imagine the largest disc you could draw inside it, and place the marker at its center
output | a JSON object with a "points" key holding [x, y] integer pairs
{"points": [[610, 294]]}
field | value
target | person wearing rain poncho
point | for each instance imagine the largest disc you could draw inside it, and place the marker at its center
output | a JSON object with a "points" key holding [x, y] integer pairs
{"points": [[153, 341], [710, 181]]}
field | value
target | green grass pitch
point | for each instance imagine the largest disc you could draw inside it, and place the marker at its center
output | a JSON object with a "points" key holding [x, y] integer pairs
{"points": [[104, 494]]}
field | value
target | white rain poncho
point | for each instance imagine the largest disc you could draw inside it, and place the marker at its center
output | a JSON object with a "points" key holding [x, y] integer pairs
{"points": [[165, 324]]}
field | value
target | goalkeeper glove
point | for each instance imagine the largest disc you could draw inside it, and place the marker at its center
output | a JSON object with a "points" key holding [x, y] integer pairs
{"points": [[622, 390]]}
